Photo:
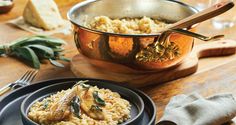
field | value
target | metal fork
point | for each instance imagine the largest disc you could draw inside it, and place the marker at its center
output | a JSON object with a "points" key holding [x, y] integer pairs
{"points": [[25, 80]]}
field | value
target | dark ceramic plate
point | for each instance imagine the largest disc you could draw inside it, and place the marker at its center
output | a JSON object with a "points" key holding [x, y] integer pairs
{"points": [[137, 105], [10, 104]]}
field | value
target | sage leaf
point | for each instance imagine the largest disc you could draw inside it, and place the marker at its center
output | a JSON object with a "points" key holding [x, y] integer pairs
{"points": [[75, 106], [37, 48], [19, 41], [47, 41], [28, 54], [55, 63], [45, 50], [58, 49], [64, 59], [52, 40], [98, 99], [2, 51]]}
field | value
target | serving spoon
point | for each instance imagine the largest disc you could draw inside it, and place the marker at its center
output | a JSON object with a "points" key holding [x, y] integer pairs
{"points": [[206, 14], [196, 35], [157, 50]]}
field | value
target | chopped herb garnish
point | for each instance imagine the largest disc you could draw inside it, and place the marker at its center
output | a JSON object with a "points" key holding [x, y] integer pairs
{"points": [[98, 99], [45, 104], [75, 106]]}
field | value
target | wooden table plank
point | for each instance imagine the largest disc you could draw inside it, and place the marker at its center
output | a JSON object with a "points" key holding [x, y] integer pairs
{"points": [[214, 75]]}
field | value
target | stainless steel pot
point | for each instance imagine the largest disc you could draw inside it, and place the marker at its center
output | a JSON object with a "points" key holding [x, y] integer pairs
{"points": [[125, 48]]}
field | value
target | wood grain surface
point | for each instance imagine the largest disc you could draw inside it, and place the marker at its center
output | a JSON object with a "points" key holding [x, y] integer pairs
{"points": [[214, 75]]}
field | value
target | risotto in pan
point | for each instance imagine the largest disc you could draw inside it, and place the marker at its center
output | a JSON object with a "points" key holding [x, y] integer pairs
{"points": [[144, 25], [81, 105]]}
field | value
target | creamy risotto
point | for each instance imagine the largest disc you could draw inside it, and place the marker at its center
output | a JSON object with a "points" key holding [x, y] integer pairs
{"points": [[81, 105], [144, 25]]}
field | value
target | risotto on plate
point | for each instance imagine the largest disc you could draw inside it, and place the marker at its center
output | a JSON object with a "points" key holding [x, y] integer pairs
{"points": [[81, 105]]}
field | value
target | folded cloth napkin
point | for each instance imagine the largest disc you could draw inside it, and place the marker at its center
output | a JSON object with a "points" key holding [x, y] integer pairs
{"points": [[196, 110]]}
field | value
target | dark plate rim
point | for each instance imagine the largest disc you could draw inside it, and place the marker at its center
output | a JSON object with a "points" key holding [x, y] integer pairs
{"points": [[63, 79]]}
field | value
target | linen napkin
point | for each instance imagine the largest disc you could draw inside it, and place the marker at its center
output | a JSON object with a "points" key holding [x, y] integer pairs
{"points": [[196, 110]]}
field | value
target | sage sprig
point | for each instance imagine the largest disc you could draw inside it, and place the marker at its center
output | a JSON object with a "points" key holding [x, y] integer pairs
{"points": [[34, 49]]}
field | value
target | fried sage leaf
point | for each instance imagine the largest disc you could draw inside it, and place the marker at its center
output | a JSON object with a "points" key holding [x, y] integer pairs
{"points": [[98, 99], [75, 106]]}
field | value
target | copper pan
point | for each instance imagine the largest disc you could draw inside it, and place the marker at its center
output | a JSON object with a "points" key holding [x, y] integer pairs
{"points": [[124, 48]]}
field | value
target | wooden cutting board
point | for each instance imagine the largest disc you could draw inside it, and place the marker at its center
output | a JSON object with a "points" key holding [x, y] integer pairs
{"points": [[81, 67]]}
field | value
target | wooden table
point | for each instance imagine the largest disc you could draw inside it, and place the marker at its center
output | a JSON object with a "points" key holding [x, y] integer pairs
{"points": [[214, 75]]}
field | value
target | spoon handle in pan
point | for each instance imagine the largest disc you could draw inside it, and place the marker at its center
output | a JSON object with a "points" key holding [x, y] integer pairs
{"points": [[196, 35], [208, 13]]}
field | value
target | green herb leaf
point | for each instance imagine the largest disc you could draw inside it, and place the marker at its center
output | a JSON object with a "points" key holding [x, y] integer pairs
{"points": [[2, 51], [19, 41], [56, 49], [45, 50], [55, 63], [43, 40], [33, 48], [51, 40], [75, 106], [64, 59], [98, 99], [28, 54]]}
